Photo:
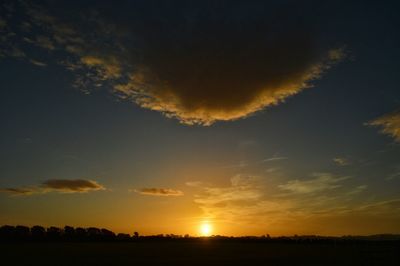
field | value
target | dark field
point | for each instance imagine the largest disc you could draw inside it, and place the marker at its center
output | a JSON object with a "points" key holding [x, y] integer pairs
{"points": [[198, 253]]}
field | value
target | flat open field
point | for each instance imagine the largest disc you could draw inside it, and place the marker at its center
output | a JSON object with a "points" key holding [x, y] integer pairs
{"points": [[198, 253]]}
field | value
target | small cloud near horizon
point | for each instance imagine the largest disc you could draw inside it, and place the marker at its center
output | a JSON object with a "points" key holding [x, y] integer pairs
{"points": [[159, 192], [56, 185], [72, 185]]}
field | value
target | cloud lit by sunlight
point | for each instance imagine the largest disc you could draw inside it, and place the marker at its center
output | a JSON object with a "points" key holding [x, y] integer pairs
{"points": [[389, 124]]}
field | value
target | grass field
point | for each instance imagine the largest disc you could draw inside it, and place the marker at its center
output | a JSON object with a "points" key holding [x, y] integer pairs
{"points": [[198, 253]]}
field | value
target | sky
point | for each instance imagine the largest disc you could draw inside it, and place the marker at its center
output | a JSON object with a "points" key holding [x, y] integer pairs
{"points": [[242, 117]]}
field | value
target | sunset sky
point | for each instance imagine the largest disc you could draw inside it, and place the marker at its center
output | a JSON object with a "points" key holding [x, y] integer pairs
{"points": [[201, 117]]}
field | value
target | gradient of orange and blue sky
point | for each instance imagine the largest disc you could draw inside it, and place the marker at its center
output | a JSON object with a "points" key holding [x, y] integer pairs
{"points": [[255, 117]]}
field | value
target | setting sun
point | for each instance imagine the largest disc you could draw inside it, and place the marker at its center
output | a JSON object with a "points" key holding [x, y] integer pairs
{"points": [[205, 229]]}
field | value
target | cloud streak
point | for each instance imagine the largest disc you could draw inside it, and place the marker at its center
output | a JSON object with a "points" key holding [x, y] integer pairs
{"points": [[164, 192], [19, 191], [341, 161], [56, 185], [319, 182], [72, 185]]}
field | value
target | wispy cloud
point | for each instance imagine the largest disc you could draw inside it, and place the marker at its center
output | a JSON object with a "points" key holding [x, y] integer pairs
{"points": [[275, 158], [67, 42], [383, 206], [159, 192], [393, 176], [341, 161], [243, 164], [240, 164], [319, 182], [358, 189], [3, 23], [239, 201], [389, 124], [44, 42], [56, 185], [19, 191], [106, 67], [241, 189], [253, 200], [38, 63]]}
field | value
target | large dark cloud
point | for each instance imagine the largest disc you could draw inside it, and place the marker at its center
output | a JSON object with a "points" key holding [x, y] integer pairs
{"points": [[199, 63], [223, 61]]}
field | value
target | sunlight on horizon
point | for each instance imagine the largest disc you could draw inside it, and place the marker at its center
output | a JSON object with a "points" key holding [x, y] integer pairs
{"points": [[205, 229]]}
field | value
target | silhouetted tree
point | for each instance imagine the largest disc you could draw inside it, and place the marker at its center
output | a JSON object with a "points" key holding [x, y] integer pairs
{"points": [[93, 233], [22, 232], [107, 234], [123, 237], [80, 233], [54, 233], [69, 232], [38, 232], [7, 232]]}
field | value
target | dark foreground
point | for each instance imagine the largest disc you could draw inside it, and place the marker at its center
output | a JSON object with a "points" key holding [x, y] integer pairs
{"points": [[198, 253]]}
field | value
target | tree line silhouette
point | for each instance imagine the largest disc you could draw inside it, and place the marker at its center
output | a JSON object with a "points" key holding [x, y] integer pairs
{"points": [[10, 233], [40, 233]]}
